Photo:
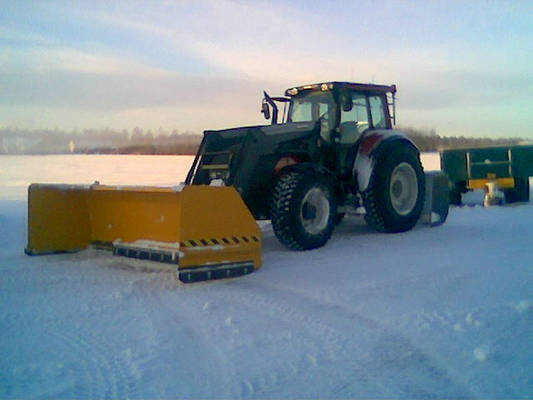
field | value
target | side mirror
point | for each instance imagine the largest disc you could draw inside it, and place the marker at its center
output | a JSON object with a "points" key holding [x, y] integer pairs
{"points": [[265, 110]]}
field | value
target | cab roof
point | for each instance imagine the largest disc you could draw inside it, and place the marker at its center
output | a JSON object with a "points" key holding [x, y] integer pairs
{"points": [[325, 86]]}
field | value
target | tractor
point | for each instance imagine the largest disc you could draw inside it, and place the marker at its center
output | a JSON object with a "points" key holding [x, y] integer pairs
{"points": [[330, 148]]}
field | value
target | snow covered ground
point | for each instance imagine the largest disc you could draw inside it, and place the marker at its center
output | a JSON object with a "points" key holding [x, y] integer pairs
{"points": [[441, 312]]}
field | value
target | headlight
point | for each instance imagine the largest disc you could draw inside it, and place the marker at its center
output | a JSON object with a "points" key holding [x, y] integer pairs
{"points": [[293, 91]]}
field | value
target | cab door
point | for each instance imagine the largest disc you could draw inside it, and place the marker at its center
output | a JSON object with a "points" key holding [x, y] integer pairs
{"points": [[354, 121]]}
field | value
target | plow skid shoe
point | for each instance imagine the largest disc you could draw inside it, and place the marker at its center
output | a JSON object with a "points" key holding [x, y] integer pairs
{"points": [[162, 254], [207, 232], [220, 271]]}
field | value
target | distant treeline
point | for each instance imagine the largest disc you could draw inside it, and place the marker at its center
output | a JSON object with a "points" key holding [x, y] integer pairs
{"points": [[138, 141], [98, 141], [428, 140]]}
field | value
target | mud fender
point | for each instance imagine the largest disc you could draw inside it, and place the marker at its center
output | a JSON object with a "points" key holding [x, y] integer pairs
{"points": [[371, 145]]}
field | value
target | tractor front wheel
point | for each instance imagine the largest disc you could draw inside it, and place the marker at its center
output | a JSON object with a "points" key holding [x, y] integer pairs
{"points": [[303, 210]]}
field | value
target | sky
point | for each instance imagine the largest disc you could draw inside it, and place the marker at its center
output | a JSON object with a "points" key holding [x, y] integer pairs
{"points": [[463, 68]]}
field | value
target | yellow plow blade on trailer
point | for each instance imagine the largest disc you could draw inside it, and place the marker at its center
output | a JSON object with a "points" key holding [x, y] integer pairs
{"points": [[206, 231]]}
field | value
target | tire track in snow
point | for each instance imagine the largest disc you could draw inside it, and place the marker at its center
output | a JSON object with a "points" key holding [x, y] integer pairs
{"points": [[96, 369], [69, 356], [189, 354], [371, 354], [158, 315], [99, 364]]}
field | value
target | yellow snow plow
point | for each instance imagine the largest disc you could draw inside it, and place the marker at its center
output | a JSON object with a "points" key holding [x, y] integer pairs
{"points": [[207, 232]]}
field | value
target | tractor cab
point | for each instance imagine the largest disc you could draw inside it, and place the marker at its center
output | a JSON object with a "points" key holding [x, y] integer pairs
{"points": [[345, 110]]}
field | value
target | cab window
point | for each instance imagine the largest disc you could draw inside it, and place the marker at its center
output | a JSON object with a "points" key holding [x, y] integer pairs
{"points": [[313, 106], [301, 111], [355, 120], [377, 111]]}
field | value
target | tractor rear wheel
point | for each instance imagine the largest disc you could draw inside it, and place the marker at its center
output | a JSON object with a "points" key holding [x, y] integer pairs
{"points": [[303, 210], [395, 195]]}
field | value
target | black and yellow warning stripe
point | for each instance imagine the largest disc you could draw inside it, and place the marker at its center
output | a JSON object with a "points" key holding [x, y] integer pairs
{"points": [[223, 241]]}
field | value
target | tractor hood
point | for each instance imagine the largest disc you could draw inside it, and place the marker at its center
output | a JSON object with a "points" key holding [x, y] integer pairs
{"points": [[275, 129], [290, 127], [266, 138]]}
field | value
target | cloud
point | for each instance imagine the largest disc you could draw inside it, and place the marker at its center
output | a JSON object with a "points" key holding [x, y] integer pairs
{"points": [[50, 59], [24, 37], [180, 62], [429, 90], [248, 40], [101, 91], [278, 43], [184, 118]]}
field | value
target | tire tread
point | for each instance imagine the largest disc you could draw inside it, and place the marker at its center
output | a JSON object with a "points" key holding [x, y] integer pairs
{"points": [[288, 186]]}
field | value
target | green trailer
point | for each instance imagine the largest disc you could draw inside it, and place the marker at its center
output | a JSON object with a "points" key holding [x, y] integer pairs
{"points": [[509, 168]]}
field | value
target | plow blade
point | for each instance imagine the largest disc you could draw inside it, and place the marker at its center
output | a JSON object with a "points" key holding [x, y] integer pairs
{"points": [[207, 232]]}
